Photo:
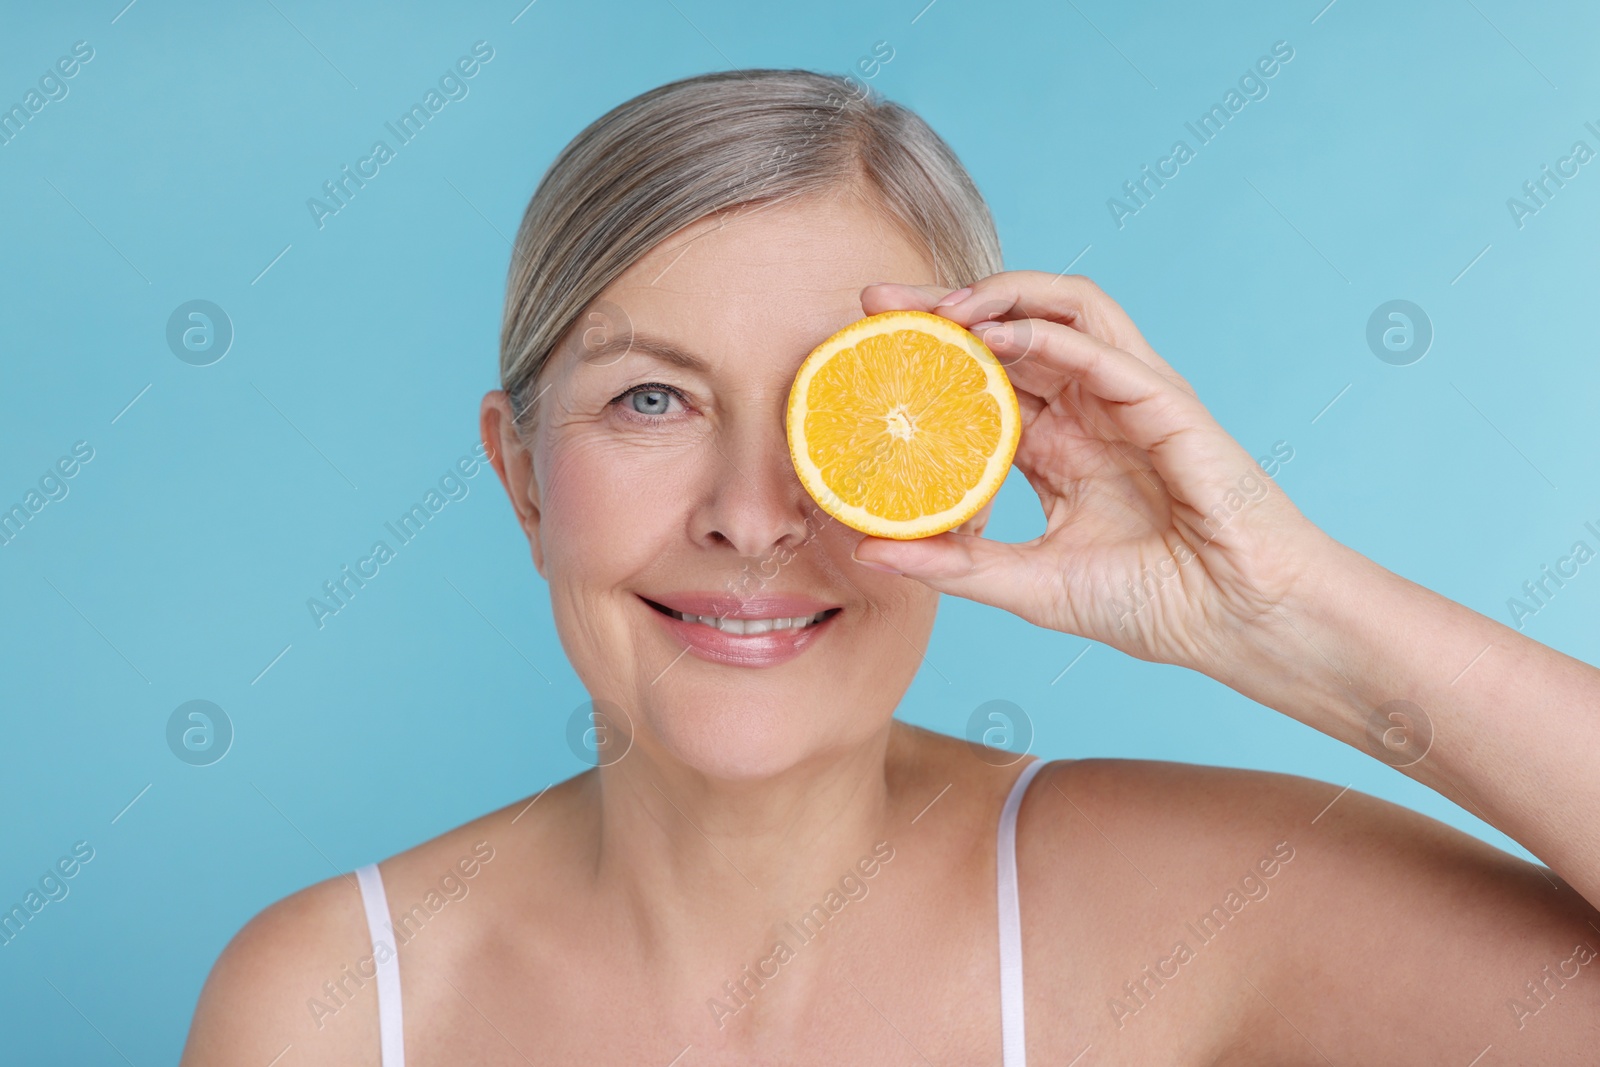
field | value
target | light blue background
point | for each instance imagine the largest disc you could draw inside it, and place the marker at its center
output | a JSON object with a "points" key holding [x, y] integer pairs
{"points": [[179, 566]]}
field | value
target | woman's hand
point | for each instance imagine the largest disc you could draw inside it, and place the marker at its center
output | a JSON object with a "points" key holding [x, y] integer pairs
{"points": [[1164, 539], [1163, 536]]}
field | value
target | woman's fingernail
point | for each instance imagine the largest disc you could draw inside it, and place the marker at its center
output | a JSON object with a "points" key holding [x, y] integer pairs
{"points": [[955, 297], [986, 324], [884, 567]]}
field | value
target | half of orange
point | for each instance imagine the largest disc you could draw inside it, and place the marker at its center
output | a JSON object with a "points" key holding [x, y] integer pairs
{"points": [[902, 425]]}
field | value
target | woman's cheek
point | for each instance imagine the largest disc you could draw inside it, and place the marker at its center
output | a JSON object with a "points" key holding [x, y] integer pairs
{"points": [[615, 501]]}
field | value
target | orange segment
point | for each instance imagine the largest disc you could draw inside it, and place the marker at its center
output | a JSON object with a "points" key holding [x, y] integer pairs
{"points": [[902, 425]]}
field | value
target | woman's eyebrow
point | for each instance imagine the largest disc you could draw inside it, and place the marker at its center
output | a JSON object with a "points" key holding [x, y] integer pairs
{"points": [[615, 347]]}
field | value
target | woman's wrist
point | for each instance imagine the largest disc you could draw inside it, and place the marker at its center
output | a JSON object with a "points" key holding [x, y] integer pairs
{"points": [[1310, 650]]}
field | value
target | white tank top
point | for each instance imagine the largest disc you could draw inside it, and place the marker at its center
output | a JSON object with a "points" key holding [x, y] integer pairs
{"points": [[1013, 1044]]}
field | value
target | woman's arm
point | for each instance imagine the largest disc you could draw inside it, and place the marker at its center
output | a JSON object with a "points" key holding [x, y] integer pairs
{"points": [[1165, 540], [1502, 725]]}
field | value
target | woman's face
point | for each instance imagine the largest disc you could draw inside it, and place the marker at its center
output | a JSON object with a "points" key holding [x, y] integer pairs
{"points": [[656, 483]]}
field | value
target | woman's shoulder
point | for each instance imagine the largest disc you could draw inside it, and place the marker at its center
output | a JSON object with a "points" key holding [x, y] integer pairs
{"points": [[298, 974], [1149, 791], [1156, 823], [1185, 817], [1117, 858], [257, 1000], [1131, 870], [1179, 807]]}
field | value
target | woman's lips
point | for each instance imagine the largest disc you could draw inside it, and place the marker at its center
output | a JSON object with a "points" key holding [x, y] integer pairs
{"points": [[778, 645]]}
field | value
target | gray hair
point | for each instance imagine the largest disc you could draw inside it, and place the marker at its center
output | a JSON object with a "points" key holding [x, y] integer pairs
{"points": [[691, 148]]}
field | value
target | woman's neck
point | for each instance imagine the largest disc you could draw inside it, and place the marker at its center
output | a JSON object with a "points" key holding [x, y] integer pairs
{"points": [[691, 858]]}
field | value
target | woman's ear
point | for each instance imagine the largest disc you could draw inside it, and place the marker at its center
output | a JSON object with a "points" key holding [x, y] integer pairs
{"points": [[513, 462]]}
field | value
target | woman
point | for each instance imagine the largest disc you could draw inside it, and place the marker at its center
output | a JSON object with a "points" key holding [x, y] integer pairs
{"points": [[766, 866]]}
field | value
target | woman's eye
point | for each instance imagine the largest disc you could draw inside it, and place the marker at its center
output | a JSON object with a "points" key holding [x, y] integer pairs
{"points": [[653, 400]]}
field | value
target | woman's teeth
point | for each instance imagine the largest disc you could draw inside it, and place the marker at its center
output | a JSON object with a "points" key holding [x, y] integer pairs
{"points": [[750, 626]]}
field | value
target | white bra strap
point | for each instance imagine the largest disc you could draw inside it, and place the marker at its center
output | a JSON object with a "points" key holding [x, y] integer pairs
{"points": [[391, 1034], [1013, 1042]]}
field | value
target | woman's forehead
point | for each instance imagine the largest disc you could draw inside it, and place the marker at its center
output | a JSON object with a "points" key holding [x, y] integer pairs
{"points": [[753, 289], [799, 265]]}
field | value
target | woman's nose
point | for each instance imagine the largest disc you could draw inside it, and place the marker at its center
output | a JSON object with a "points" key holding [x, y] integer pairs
{"points": [[755, 502]]}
